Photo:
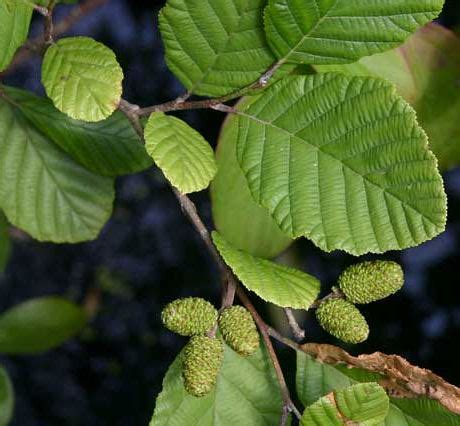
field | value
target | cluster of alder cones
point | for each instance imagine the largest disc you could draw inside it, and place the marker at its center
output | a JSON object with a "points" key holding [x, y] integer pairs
{"points": [[195, 317], [362, 283], [203, 355]]}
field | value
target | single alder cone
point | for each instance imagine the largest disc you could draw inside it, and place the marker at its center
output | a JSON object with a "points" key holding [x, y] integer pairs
{"points": [[190, 316], [239, 330], [367, 282], [342, 319], [202, 361]]}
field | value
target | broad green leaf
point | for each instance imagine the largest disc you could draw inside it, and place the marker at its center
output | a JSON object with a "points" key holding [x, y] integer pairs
{"points": [[246, 393], [364, 403], [342, 161], [420, 412], [39, 325], [424, 71], [342, 31], [14, 27], [275, 283], [45, 192], [6, 397], [4, 242], [315, 379], [244, 224], [180, 152], [215, 47], [83, 78], [110, 147]]}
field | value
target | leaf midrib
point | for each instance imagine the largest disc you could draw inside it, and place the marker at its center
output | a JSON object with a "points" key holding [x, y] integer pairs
{"points": [[318, 149], [308, 34], [224, 47]]}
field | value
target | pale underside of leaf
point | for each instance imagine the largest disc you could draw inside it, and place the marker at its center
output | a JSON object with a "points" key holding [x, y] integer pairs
{"points": [[342, 161], [14, 25], [341, 31], [181, 152], [275, 283], [83, 78], [246, 393], [45, 192], [215, 47]]}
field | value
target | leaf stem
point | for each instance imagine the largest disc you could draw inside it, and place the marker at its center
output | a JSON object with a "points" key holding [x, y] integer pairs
{"points": [[297, 331]]}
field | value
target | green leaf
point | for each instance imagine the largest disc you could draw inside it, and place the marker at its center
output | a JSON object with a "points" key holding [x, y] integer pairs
{"points": [[342, 161], [14, 26], [278, 284], [364, 403], [110, 147], [39, 325], [46, 2], [4, 243], [45, 192], [83, 78], [6, 397], [246, 393], [180, 152], [315, 379], [244, 224], [424, 71], [342, 31], [215, 47]]}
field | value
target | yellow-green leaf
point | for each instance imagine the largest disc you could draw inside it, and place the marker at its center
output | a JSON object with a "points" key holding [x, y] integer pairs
{"points": [[342, 161], [180, 152], [275, 283], [83, 78]]}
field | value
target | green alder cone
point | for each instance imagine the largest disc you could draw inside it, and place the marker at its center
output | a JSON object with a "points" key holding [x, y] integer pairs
{"points": [[239, 330], [190, 316], [202, 361], [367, 282], [342, 319]]}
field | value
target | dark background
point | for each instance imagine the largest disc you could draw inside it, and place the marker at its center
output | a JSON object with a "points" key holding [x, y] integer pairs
{"points": [[148, 254]]}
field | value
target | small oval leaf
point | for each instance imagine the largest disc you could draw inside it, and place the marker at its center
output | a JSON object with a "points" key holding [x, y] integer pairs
{"points": [[180, 152], [275, 283], [83, 78]]}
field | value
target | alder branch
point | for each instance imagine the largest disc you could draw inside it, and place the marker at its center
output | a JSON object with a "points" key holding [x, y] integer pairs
{"points": [[264, 330], [181, 103], [49, 29], [230, 285]]}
